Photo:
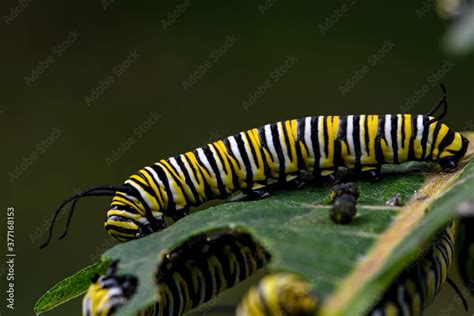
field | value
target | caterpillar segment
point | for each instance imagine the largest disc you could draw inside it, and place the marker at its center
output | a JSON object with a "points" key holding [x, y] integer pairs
{"points": [[188, 277]]}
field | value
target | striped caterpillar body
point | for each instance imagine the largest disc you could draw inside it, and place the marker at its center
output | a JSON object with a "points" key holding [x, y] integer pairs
{"points": [[187, 278], [465, 244], [409, 295], [250, 160], [279, 294]]}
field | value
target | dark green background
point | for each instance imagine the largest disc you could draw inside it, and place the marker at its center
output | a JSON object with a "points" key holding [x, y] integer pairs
{"points": [[211, 108]]}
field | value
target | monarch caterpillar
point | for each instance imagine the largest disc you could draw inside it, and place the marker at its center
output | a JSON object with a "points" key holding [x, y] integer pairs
{"points": [[412, 291], [249, 160], [187, 278], [279, 294], [465, 244]]}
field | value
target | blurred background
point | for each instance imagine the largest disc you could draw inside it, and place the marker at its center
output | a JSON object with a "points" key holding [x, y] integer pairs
{"points": [[94, 90]]}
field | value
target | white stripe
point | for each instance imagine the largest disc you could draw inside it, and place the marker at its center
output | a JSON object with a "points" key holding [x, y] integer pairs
{"points": [[219, 165], [159, 184], [322, 156], [419, 128], [190, 171], [284, 148], [307, 140], [271, 146], [362, 131], [399, 135], [249, 153], [387, 132], [350, 135], [236, 152], [141, 192]]}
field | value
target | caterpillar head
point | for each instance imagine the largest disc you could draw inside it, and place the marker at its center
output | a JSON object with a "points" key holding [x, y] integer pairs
{"points": [[108, 292], [452, 148], [127, 220], [129, 216]]}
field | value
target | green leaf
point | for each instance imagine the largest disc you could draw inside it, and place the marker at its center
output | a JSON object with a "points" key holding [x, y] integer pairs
{"points": [[70, 287], [348, 265]]}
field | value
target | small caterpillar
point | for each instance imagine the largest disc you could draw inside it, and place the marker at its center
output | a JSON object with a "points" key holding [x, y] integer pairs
{"points": [[188, 277], [279, 294], [250, 160], [410, 294]]}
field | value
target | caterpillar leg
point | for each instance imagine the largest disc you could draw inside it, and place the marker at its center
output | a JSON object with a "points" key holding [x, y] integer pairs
{"points": [[178, 214], [293, 182], [279, 294], [329, 175], [371, 172], [256, 193]]}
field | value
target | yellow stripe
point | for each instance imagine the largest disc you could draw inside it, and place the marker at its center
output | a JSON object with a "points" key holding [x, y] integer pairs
{"points": [[159, 191], [224, 159], [441, 134], [127, 225], [138, 206]]}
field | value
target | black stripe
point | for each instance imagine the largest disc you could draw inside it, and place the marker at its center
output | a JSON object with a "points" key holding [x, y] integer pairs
{"points": [[447, 140], [147, 188], [287, 140], [176, 180], [187, 179], [215, 169], [424, 139], [164, 179], [366, 135], [356, 138], [151, 219], [120, 229], [278, 149], [435, 136], [414, 131], [246, 162], [300, 142], [235, 177], [207, 186], [326, 136], [341, 137], [252, 149], [394, 134], [195, 174], [263, 145], [123, 207], [151, 192], [315, 143], [402, 145], [378, 140]]}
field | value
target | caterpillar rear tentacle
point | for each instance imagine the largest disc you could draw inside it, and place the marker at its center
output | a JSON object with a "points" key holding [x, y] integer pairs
{"points": [[249, 160]]}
